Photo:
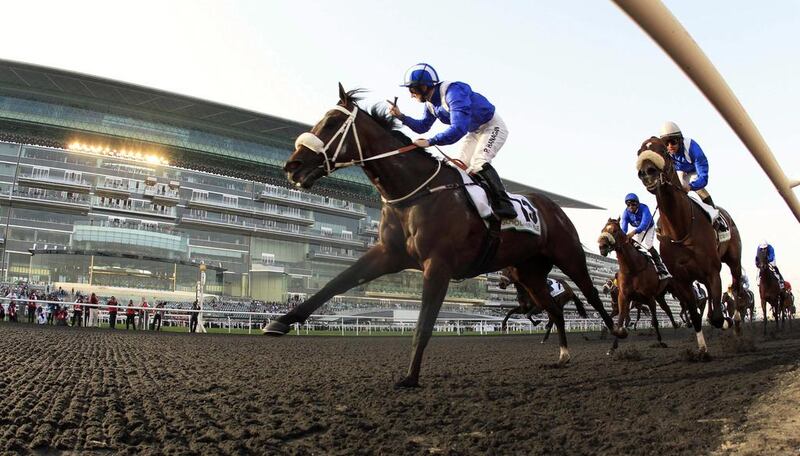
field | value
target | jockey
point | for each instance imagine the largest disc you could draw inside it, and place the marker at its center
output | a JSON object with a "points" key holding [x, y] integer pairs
{"points": [[690, 162], [470, 116], [640, 218], [770, 259]]}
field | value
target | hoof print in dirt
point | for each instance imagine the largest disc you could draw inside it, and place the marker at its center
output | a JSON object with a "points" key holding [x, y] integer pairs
{"points": [[630, 354], [693, 356]]}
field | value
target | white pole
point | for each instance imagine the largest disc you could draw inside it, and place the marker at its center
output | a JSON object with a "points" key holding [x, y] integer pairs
{"points": [[343, 326], [229, 325], [356, 326], [249, 323], [658, 22]]}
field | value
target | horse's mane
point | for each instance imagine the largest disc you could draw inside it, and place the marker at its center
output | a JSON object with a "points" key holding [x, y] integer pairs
{"points": [[380, 114]]}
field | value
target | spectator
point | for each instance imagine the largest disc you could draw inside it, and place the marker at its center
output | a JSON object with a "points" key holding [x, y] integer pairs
{"points": [[61, 315], [88, 311], [143, 315], [193, 318], [31, 307], [158, 315], [112, 310], [77, 312], [41, 318], [12, 311], [2, 312], [130, 314]]}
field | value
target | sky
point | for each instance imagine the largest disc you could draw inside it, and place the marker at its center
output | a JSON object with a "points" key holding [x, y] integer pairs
{"points": [[579, 85]]}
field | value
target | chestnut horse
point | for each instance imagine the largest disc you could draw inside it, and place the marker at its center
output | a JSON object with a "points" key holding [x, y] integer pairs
{"points": [[769, 289], [688, 240], [637, 278], [531, 307], [427, 224]]}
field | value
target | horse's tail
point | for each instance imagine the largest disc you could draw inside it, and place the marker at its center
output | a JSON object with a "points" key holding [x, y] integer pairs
{"points": [[579, 306]]}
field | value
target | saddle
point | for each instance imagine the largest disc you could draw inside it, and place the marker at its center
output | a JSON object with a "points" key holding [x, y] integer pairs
{"points": [[717, 218]]}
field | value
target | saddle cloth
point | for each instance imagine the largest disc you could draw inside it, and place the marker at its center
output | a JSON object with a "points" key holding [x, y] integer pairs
{"points": [[556, 288], [527, 215], [717, 219]]}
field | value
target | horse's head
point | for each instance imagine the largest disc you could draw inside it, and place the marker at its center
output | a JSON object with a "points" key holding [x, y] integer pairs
{"points": [[610, 236], [655, 165], [328, 146]]}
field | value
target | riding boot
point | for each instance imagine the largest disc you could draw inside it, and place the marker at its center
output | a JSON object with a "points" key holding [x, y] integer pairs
{"points": [[661, 268], [780, 277], [719, 223], [501, 204]]}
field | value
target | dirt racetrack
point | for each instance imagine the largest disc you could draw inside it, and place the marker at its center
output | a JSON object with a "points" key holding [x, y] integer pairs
{"points": [[92, 391]]}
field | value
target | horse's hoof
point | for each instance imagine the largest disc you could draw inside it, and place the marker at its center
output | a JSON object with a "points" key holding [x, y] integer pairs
{"points": [[407, 382], [276, 329], [727, 323], [620, 332], [662, 345]]}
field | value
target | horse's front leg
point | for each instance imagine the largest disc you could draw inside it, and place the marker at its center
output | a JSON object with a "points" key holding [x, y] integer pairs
{"points": [[436, 279], [377, 261]]}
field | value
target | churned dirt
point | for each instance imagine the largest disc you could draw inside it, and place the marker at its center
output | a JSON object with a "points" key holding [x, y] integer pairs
{"points": [[88, 391]]}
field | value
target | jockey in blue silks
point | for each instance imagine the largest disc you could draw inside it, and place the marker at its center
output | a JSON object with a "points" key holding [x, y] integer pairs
{"points": [[639, 217], [770, 259], [690, 163], [470, 116]]}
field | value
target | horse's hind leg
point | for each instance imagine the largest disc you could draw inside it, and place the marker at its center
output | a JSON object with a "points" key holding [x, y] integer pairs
{"points": [[575, 268], [665, 307], [533, 278], [652, 305], [547, 328]]}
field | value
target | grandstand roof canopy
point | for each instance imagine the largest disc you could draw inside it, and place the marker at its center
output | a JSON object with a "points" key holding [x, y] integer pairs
{"points": [[90, 92]]}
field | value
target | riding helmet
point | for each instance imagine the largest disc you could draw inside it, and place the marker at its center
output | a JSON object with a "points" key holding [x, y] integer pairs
{"points": [[631, 197], [670, 128], [420, 74]]}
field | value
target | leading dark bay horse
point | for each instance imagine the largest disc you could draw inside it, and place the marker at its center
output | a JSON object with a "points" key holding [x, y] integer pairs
{"points": [[769, 289], [637, 278], [427, 224], [688, 240]]}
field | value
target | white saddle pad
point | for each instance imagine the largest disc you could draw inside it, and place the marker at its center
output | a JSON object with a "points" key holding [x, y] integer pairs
{"points": [[527, 215], [556, 288]]}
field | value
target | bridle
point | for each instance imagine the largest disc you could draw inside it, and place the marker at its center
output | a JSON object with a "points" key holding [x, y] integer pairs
{"points": [[313, 143]]}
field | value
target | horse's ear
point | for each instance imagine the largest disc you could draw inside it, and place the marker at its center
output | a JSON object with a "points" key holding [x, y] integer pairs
{"points": [[342, 95], [618, 219]]}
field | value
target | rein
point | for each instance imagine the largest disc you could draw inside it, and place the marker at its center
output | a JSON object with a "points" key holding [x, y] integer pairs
{"points": [[313, 143]]}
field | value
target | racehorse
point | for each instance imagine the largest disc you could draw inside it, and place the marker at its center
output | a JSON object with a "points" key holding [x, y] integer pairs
{"points": [[427, 223], [688, 240], [637, 278], [730, 305], [702, 300], [613, 290], [789, 308], [531, 307], [769, 289]]}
